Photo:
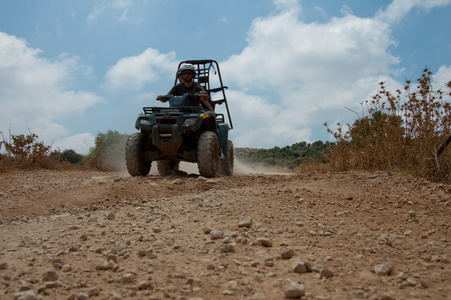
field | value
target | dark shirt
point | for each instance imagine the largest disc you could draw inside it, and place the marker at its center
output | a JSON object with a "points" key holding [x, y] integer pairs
{"points": [[180, 89]]}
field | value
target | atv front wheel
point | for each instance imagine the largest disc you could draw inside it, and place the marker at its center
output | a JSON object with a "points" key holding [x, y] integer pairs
{"points": [[208, 154], [166, 167], [136, 166], [226, 164]]}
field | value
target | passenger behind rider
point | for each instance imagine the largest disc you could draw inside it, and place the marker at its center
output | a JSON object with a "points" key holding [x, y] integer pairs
{"points": [[179, 75], [188, 85]]}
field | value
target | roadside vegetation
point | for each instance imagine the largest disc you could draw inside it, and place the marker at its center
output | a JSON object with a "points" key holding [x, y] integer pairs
{"points": [[406, 131], [25, 152]]}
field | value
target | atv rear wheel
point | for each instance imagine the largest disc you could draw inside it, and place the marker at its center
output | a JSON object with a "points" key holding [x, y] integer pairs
{"points": [[208, 154], [166, 167], [226, 164], [136, 166]]}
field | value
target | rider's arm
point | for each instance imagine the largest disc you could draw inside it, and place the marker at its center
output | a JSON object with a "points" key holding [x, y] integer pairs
{"points": [[207, 104], [171, 92]]}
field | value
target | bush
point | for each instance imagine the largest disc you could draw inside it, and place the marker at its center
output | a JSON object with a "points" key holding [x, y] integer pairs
{"points": [[25, 151], [405, 131]]}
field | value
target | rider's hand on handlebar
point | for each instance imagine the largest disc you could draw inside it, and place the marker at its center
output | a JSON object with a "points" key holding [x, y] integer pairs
{"points": [[162, 98]]}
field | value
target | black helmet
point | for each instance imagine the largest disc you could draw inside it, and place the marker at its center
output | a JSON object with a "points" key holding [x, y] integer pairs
{"points": [[189, 68]]}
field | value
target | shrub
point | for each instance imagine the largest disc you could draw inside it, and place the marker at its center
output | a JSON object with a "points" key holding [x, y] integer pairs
{"points": [[25, 151], [405, 131]]}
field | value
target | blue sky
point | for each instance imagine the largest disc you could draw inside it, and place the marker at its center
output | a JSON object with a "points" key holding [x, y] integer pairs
{"points": [[71, 69]]}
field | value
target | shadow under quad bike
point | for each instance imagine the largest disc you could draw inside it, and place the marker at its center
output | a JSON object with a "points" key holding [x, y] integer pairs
{"points": [[179, 132]]}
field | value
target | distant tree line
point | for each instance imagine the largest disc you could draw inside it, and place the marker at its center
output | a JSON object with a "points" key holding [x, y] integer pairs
{"points": [[288, 156]]}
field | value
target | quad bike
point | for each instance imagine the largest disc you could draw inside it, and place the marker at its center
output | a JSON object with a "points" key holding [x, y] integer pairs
{"points": [[179, 132]]}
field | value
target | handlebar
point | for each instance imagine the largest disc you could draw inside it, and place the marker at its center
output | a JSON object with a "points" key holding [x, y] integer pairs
{"points": [[166, 98]]}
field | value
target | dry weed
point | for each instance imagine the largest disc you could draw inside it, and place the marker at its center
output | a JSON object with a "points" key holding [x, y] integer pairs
{"points": [[409, 130]]}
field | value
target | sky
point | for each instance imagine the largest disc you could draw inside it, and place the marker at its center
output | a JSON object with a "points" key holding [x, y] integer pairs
{"points": [[72, 69]]}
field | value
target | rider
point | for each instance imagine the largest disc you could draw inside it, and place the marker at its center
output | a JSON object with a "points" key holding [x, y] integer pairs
{"points": [[188, 85]]}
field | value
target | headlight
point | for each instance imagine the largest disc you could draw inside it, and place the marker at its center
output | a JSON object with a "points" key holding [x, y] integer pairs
{"points": [[189, 122], [144, 122]]}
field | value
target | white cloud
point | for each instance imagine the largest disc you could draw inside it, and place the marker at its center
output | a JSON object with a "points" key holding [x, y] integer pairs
{"points": [[399, 8], [290, 6], [283, 52], [108, 5], [442, 77], [313, 70], [80, 143], [260, 123], [33, 96], [134, 72]]}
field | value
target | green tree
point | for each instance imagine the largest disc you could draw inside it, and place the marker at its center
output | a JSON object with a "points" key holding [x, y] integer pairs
{"points": [[109, 150]]}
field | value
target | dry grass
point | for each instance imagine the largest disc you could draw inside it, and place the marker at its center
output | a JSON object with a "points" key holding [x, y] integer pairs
{"points": [[408, 131]]}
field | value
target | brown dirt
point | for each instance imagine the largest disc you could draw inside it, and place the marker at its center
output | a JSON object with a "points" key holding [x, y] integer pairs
{"points": [[94, 235]]}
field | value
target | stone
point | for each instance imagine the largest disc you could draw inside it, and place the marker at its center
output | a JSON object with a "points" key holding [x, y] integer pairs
{"points": [[228, 248], [49, 285], [144, 285], [215, 234], [244, 221], [265, 242], [292, 289], [383, 269], [227, 293], [81, 296], [326, 273], [258, 296], [269, 260], [411, 282], [66, 268], [50, 275], [92, 291], [299, 267], [401, 276], [368, 275], [28, 242], [26, 295], [286, 253], [128, 278]]}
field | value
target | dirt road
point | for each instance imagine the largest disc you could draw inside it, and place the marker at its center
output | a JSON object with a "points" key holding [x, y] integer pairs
{"points": [[94, 235]]}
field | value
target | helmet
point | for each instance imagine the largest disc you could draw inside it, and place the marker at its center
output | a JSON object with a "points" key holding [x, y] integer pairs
{"points": [[188, 67], [179, 72]]}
